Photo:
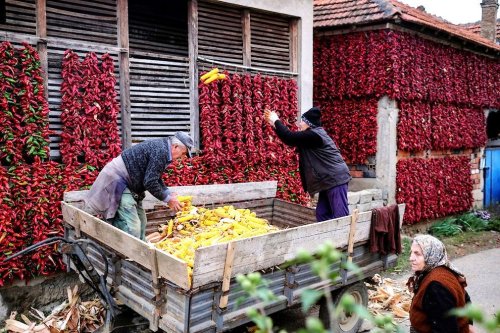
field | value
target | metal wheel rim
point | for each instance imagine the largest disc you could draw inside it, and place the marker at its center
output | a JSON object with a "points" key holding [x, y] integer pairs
{"points": [[347, 321]]}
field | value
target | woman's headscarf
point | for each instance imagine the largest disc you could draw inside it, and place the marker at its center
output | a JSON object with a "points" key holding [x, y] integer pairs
{"points": [[435, 255]]}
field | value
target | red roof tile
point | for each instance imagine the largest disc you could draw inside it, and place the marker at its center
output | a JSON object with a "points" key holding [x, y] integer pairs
{"points": [[338, 13], [476, 28]]}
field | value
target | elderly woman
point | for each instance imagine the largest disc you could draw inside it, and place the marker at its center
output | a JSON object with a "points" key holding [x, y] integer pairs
{"points": [[438, 287]]}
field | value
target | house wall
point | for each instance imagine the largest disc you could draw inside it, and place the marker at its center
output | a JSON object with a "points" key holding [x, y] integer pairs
{"points": [[430, 99], [302, 9], [151, 49]]}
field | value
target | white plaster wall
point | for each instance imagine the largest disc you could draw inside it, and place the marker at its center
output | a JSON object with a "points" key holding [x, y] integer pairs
{"points": [[302, 9]]}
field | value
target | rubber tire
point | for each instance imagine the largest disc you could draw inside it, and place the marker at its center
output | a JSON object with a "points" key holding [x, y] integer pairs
{"points": [[346, 323]]}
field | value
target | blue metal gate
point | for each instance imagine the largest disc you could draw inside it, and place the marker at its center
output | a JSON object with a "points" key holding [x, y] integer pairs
{"points": [[492, 177]]}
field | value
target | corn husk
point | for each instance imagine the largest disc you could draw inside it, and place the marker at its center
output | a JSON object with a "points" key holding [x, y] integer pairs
{"points": [[386, 296], [71, 316]]}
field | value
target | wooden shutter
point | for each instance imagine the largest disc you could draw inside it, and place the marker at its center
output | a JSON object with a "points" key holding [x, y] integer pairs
{"points": [[270, 36], [220, 33], [93, 21], [159, 95], [159, 68], [20, 16], [55, 56], [158, 26]]}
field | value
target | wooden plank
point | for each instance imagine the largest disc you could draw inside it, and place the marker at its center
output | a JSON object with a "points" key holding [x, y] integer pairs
{"points": [[206, 194], [294, 45], [247, 38], [94, 17], [41, 32], [193, 71], [220, 193], [41, 18], [124, 65], [226, 279], [119, 240], [352, 231]]}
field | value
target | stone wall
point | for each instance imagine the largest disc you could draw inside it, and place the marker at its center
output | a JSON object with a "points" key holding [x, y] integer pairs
{"points": [[366, 200]]}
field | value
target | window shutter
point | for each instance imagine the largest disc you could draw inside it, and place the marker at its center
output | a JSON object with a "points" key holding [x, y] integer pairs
{"points": [[90, 21], [270, 35], [220, 33]]}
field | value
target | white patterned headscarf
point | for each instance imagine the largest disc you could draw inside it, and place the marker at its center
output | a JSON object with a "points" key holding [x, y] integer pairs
{"points": [[433, 250], [435, 255]]}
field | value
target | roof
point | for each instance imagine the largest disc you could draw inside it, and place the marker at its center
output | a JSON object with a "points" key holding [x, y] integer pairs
{"points": [[476, 28], [339, 13]]}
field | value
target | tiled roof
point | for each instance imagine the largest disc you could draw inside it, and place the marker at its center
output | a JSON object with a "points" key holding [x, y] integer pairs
{"points": [[476, 28], [338, 13]]}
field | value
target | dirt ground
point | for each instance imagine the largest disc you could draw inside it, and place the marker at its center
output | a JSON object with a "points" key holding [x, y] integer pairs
{"points": [[469, 243]]}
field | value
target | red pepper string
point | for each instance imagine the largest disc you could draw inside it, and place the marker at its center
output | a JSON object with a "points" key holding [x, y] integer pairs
{"points": [[433, 188]]}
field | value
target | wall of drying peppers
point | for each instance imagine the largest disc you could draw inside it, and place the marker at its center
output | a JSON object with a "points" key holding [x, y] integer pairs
{"points": [[404, 67], [237, 144], [89, 111], [440, 126], [441, 92], [24, 117], [31, 186], [350, 122], [433, 188]]}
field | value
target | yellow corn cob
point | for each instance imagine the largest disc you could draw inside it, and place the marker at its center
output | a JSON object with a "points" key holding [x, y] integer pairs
{"points": [[211, 79], [185, 218], [205, 76], [170, 227]]}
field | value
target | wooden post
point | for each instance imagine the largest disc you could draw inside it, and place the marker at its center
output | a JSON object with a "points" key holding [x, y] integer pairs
{"points": [[41, 33], [156, 287], [193, 70], [352, 232], [294, 45], [226, 280], [247, 38], [123, 44]]}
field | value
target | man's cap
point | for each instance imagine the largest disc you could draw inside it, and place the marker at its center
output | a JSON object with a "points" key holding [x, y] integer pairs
{"points": [[312, 117], [186, 140]]}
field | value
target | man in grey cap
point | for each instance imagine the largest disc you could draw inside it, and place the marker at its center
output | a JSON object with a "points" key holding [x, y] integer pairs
{"points": [[118, 191]]}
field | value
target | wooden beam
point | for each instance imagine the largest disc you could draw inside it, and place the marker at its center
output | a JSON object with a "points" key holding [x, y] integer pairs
{"points": [[226, 278], [41, 45], [352, 232], [247, 38], [124, 63], [193, 70], [294, 45]]}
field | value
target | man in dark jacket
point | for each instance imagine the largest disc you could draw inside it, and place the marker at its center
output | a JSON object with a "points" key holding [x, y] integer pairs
{"points": [[118, 191], [322, 168]]}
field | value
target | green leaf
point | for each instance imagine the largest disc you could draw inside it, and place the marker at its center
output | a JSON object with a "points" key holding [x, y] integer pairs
{"points": [[310, 297], [314, 325]]}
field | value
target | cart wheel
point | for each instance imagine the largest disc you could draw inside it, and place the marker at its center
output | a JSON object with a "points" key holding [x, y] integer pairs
{"points": [[345, 322]]}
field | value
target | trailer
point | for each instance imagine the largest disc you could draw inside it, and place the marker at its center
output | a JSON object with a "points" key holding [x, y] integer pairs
{"points": [[157, 285]]}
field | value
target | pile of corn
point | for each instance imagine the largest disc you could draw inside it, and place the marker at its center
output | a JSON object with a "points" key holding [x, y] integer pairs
{"points": [[195, 227]]}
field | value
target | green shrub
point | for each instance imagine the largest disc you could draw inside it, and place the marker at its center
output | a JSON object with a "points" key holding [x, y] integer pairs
{"points": [[471, 222], [445, 228]]}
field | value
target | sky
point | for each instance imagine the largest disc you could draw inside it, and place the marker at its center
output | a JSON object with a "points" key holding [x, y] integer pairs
{"points": [[454, 11]]}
